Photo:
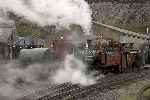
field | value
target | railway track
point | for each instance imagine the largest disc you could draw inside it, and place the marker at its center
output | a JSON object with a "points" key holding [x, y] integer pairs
{"points": [[42, 92], [108, 83], [68, 91]]}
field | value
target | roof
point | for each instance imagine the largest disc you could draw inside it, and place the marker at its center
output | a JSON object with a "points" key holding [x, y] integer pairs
{"points": [[123, 30]]}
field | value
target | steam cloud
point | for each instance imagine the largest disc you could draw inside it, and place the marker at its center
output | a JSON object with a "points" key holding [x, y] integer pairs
{"points": [[74, 71], [61, 13], [16, 80]]}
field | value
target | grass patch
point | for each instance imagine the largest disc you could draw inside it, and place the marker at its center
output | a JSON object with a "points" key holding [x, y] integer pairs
{"points": [[128, 97]]}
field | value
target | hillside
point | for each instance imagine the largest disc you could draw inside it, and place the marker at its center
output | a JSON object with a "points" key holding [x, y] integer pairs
{"points": [[134, 16]]}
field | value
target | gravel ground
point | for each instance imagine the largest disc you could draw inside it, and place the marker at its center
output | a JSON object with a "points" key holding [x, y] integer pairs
{"points": [[127, 92]]}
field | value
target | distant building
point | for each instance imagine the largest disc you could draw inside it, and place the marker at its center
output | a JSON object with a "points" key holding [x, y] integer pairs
{"points": [[29, 42], [120, 35], [26, 43]]}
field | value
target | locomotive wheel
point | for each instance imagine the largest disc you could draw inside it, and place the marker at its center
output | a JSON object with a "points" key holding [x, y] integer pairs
{"points": [[144, 93]]}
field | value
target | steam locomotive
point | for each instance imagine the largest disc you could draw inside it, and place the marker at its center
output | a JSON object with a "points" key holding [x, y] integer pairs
{"points": [[115, 57], [111, 57]]}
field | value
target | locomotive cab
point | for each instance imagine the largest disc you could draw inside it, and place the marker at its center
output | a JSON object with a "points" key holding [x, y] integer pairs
{"points": [[116, 57]]}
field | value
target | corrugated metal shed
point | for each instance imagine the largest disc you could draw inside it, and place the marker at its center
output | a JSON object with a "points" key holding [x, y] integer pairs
{"points": [[123, 30]]}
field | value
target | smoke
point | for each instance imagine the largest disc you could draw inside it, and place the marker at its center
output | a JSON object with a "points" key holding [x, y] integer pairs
{"points": [[73, 71], [61, 13], [2, 19], [15, 80]]}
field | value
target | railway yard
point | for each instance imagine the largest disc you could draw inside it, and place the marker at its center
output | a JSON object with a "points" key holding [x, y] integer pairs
{"points": [[74, 50], [111, 87]]}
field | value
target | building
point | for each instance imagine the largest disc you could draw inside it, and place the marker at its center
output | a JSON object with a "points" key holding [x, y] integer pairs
{"points": [[120, 35], [27, 42], [7, 37]]}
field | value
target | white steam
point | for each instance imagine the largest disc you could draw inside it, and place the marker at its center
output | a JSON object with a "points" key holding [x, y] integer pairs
{"points": [[74, 71], [62, 13], [16, 80]]}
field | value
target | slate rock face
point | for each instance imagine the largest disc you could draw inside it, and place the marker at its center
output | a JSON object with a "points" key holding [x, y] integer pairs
{"points": [[133, 15]]}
